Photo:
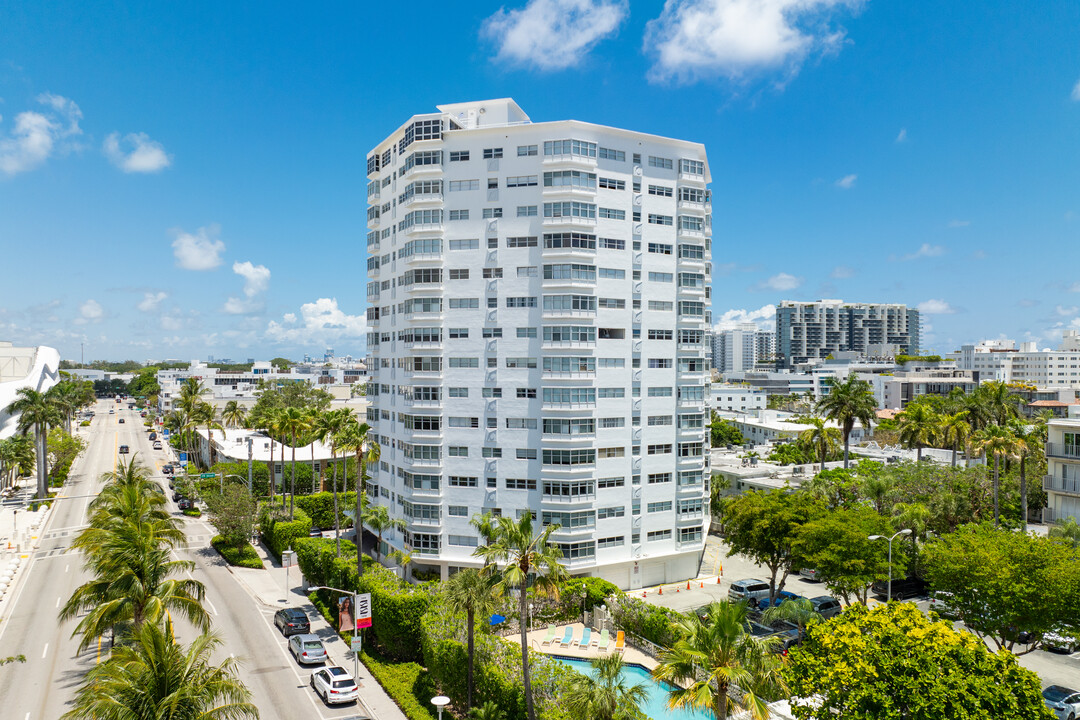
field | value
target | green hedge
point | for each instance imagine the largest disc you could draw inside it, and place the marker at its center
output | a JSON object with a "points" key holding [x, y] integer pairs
{"points": [[320, 508], [397, 604], [245, 556], [279, 533], [407, 683], [497, 667], [643, 619], [193, 512]]}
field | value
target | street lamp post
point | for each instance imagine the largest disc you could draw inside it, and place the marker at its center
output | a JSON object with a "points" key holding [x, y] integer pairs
{"points": [[440, 701], [356, 653], [905, 531], [249, 444]]}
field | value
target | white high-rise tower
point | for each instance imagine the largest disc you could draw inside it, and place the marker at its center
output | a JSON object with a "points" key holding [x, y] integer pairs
{"points": [[538, 298]]}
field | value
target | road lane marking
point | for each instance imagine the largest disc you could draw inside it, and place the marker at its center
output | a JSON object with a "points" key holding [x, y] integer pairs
{"points": [[45, 651], [67, 567], [58, 602]]}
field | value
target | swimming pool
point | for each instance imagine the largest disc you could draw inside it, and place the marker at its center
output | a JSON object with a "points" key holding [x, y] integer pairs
{"points": [[655, 706]]}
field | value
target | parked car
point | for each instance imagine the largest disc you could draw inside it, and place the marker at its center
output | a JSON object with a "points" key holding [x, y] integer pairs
{"points": [[315, 532], [292, 621], [124, 450], [334, 685], [307, 649], [157, 444], [782, 596], [1061, 639], [810, 574], [901, 588], [185, 503], [1062, 701], [153, 435], [826, 606], [750, 590], [786, 634], [167, 470], [941, 603]]}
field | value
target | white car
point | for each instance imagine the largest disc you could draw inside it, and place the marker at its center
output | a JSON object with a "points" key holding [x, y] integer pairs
{"points": [[334, 685], [1063, 702], [1060, 639], [941, 603]]}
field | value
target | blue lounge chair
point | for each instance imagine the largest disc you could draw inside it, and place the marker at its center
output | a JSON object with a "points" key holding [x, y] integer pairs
{"points": [[567, 637], [586, 638]]}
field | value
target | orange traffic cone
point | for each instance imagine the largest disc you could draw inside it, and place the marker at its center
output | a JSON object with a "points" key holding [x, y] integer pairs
{"points": [[687, 584], [660, 591], [702, 584], [644, 593], [717, 579], [678, 589]]}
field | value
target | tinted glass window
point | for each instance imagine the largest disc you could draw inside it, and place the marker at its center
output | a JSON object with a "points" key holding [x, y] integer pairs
{"points": [[343, 683]]}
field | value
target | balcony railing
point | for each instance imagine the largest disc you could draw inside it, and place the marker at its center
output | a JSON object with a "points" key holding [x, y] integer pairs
{"points": [[1067, 485], [1059, 450]]}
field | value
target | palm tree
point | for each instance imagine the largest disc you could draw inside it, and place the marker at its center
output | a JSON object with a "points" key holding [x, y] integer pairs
{"points": [[955, 431], [38, 411], [358, 438], [1068, 530], [605, 694], [517, 558], [848, 402], [294, 422], [979, 415], [918, 427], [915, 517], [233, 414], [378, 519], [487, 711], [716, 654], [328, 425], [67, 396], [821, 437], [799, 612], [1002, 404], [999, 442], [1028, 444], [206, 414], [155, 678], [473, 593]]}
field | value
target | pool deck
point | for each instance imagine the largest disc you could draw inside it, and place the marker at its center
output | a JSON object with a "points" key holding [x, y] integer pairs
{"points": [[536, 637]]}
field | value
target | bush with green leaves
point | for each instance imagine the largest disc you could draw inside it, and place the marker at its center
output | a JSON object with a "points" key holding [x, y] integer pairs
{"points": [[244, 556], [278, 532], [568, 606], [320, 508], [649, 622], [260, 475]]}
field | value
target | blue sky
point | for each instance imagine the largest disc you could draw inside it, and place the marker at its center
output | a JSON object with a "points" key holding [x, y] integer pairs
{"points": [[185, 180]]}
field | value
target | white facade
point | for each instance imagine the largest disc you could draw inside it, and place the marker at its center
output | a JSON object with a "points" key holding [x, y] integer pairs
{"points": [[1041, 368], [538, 302], [32, 367], [737, 398], [741, 348], [1062, 480]]}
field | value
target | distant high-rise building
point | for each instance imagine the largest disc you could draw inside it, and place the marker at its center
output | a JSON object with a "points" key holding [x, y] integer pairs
{"points": [[814, 330], [538, 301], [741, 348]]}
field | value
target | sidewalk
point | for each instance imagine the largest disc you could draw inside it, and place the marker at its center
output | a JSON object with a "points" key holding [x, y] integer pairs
{"points": [[268, 587]]}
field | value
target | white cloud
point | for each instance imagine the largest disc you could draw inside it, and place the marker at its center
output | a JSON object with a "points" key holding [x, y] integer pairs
{"points": [[144, 156], [36, 136], [936, 307], [764, 317], [1066, 311], [926, 250], [151, 300], [841, 272], [902, 136], [199, 251], [242, 306], [781, 282], [171, 323], [553, 34], [90, 312], [256, 277], [1076, 91], [694, 39], [959, 223], [321, 321], [847, 182]]}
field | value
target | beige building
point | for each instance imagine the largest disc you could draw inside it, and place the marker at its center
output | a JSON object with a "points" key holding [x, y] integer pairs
{"points": [[1062, 480]]}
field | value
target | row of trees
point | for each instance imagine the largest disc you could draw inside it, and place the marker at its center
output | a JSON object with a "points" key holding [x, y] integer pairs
{"points": [[38, 411], [134, 591]]}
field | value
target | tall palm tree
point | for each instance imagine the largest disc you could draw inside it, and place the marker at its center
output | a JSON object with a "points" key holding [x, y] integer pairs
{"points": [[154, 678], [294, 423], [206, 414], [473, 593], [915, 517], [377, 517], [1028, 444], [955, 431], [517, 559], [999, 442], [233, 415], [358, 438], [328, 426], [712, 656], [849, 401], [67, 397], [38, 411], [821, 437], [605, 694], [1002, 403], [979, 414], [918, 427]]}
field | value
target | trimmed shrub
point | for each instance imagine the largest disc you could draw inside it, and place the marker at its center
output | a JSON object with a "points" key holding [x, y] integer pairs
{"points": [[279, 532], [193, 512], [260, 475], [407, 683], [320, 508], [245, 556], [651, 622]]}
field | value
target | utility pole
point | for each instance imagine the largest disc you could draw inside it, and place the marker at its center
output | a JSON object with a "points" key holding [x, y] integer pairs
{"points": [[249, 440]]}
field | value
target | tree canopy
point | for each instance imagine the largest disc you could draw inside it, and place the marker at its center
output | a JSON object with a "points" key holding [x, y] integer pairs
{"points": [[894, 663]]}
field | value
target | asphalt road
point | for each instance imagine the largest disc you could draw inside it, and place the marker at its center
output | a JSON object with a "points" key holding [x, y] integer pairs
{"points": [[43, 687]]}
